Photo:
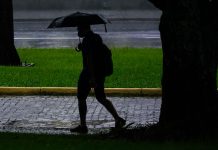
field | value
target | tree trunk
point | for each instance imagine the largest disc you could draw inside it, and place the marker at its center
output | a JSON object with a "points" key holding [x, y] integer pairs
{"points": [[189, 42], [8, 53]]}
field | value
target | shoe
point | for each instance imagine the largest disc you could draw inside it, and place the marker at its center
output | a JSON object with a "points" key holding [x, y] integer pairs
{"points": [[120, 123], [79, 129]]}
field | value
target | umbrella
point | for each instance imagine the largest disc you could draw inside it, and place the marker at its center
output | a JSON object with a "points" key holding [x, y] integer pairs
{"points": [[78, 18]]}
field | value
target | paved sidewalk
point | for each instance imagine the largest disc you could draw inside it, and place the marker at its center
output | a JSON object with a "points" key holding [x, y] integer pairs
{"points": [[56, 114]]}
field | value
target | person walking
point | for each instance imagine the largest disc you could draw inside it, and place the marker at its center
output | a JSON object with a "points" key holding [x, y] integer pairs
{"points": [[92, 76]]}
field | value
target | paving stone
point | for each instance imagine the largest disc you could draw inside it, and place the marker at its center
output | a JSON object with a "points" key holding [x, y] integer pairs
{"points": [[47, 113]]}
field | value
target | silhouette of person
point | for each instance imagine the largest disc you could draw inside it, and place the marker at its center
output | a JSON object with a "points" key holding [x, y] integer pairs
{"points": [[92, 76]]}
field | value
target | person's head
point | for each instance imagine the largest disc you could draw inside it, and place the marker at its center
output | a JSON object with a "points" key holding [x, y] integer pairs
{"points": [[83, 29]]}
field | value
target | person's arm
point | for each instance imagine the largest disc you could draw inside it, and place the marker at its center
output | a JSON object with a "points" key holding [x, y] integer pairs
{"points": [[90, 61], [91, 69]]}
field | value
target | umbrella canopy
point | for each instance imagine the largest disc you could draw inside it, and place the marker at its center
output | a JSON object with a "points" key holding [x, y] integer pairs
{"points": [[78, 18]]}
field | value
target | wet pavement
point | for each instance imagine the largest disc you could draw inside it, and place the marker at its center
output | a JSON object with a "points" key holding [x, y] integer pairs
{"points": [[138, 32], [57, 114]]}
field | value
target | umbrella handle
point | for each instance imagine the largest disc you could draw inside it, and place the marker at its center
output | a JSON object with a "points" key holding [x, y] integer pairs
{"points": [[105, 27], [79, 47]]}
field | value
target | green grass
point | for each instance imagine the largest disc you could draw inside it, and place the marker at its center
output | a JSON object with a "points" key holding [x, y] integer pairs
{"points": [[12, 141], [61, 67]]}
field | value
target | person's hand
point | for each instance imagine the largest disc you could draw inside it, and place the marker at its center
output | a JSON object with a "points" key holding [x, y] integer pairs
{"points": [[79, 47]]}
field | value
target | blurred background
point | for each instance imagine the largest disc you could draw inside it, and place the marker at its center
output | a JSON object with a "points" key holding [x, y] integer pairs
{"points": [[133, 23]]}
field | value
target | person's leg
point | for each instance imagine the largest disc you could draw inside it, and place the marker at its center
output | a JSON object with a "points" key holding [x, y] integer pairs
{"points": [[82, 93], [101, 97], [82, 111]]}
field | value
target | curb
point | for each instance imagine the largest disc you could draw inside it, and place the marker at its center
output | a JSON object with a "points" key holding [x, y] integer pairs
{"points": [[73, 91]]}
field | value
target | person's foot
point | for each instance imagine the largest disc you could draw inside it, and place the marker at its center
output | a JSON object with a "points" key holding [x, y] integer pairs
{"points": [[79, 129], [120, 123]]}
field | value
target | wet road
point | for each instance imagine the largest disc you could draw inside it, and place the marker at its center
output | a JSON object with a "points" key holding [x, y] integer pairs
{"points": [[121, 33]]}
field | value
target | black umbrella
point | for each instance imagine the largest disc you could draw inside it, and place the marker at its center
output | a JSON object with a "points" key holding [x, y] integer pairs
{"points": [[78, 18]]}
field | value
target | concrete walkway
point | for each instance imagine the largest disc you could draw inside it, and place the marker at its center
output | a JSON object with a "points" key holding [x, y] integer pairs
{"points": [[56, 114]]}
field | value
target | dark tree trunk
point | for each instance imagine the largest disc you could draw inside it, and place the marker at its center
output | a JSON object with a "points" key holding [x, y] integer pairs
{"points": [[8, 53], [189, 40]]}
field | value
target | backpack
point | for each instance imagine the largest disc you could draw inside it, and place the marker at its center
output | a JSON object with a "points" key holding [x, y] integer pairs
{"points": [[108, 62]]}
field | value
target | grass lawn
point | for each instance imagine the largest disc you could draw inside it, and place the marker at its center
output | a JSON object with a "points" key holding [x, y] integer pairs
{"points": [[9, 141], [61, 67]]}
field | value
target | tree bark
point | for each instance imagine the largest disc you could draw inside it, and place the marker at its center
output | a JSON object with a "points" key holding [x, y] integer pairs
{"points": [[189, 40], [8, 53]]}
